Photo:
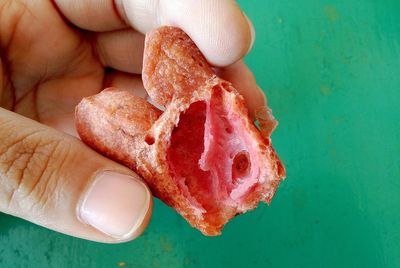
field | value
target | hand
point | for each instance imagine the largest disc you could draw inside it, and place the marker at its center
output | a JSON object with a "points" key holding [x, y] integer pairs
{"points": [[54, 53]]}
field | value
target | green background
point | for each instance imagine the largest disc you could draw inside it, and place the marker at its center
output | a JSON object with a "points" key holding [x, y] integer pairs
{"points": [[331, 70]]}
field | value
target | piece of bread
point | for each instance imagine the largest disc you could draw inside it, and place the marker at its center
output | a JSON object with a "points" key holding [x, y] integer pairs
{"points": [[203, 155]]}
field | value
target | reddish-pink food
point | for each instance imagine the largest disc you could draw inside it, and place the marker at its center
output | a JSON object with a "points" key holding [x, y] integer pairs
{"points": [[203, 155]]}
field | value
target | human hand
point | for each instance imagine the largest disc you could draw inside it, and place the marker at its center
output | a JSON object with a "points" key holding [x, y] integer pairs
{"points": [[54, 53]]}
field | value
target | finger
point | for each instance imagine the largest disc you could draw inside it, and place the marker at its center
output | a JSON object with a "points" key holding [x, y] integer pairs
{"points": [[130, 83], [55, 181], [121, 50], [126, 82], [93, 15], [219, 28], [244, 81], [61, 117]]}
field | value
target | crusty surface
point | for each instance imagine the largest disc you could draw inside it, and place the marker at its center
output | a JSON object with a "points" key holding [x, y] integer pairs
{"points": [[172, 65], [135, 133]]}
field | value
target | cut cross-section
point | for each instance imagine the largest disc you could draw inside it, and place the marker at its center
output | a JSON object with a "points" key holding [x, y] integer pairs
{"points": [[211, 157]]}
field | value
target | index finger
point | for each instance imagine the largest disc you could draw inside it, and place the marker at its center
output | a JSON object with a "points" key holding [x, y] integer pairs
{"points": [[219, 28]]}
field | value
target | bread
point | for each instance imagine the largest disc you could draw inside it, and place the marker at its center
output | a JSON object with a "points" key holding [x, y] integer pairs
{"points": [[203, 155]]}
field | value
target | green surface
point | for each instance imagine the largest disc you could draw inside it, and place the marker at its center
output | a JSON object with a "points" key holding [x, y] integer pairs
{"points": [[332, 73]]}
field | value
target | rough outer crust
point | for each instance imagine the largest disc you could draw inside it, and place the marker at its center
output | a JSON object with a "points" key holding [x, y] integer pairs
{"points": [[173, 67], [128, 129]]}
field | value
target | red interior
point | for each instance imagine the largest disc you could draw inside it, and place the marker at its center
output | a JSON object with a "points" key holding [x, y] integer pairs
{"points": [[211, 157]]}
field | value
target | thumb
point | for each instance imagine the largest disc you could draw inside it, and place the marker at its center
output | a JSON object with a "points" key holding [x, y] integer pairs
{"points": [[55, 181], [219, 28]]}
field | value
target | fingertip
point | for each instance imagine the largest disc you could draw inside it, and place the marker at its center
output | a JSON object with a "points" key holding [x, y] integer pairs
{"points": [[219, 28], [117, 205], [142, 227], [231, 40], [138, 232], [252, 32]]}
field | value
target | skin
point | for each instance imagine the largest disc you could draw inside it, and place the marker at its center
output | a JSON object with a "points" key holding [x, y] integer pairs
{"points": [[54, 53]]}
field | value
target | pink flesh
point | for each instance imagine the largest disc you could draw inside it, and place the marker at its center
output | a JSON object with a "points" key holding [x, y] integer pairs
{"points": [[210, 155]]}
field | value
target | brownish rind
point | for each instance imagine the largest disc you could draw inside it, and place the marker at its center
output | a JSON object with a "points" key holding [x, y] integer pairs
{"points": [[115, 122], [279, 170], [173, 67]]}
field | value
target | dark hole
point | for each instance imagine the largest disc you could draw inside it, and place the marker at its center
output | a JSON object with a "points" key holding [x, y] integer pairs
{"points": [[228, 130], [149, 140], [241, 164]]}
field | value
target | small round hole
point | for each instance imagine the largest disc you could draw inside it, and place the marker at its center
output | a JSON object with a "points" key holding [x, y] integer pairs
{"points": [[241, 164], [229, 130], [149, 140]]}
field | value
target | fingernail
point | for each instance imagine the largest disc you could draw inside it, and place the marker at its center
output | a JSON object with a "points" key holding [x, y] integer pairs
{"points": [[252, 32], [116, 204]]}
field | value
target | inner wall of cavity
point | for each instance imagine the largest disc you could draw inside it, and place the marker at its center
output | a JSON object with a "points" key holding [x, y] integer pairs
{"points": [[225, 153], [209, 155]]}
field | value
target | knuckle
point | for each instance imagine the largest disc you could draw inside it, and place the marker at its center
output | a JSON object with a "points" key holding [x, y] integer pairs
{"points": [[28, 166]]}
